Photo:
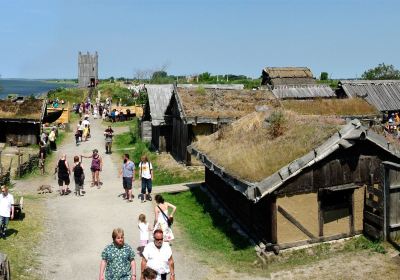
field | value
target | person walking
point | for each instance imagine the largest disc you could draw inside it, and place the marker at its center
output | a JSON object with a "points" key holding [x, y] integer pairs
{"points": [[157, 255], [52, 139], [118, 259], [79, 176], [109, 133], [96, 166], [146, 175], [128, 176], [144, 229], [63, 173], [6, 210], [42, 156], [162, 219]]}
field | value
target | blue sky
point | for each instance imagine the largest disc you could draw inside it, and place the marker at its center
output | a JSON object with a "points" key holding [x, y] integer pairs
{"points": [[42, 38]]}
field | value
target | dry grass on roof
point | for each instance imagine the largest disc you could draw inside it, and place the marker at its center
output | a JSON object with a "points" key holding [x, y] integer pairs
{"points": [[246, 150], [334, 107], [29, 109], [222, 103]]}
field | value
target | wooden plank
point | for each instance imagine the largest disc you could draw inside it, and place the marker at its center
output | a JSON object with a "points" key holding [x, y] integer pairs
{"points": [[394, 226], [351, 213], [374, 204], [295, 222], [375, 191], [370, 217], [372, 231]]}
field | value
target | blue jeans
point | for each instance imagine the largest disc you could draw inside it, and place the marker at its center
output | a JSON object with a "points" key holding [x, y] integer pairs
{"points": [[146, 184], [3, 225]]}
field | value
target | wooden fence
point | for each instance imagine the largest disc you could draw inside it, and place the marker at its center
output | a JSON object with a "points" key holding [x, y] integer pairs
{"points": [[27, 166]]}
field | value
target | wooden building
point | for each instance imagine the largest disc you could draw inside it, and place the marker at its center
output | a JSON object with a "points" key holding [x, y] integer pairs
{"points": [[320, 180], [194, 112], [20, 120], [384, 95], [294, 83], [155, 125]]}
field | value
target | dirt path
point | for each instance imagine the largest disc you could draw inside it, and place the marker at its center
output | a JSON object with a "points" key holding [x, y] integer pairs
{"points": [[78, 228]]}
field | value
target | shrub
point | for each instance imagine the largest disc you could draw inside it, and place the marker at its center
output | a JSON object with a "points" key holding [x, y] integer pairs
{"points": [[276, 123]]}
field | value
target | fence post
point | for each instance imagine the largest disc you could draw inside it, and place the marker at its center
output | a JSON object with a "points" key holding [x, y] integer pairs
{"points": [[19, 163]]}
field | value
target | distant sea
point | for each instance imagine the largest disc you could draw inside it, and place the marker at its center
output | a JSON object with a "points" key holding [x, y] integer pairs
{"points": [[24, 87]]}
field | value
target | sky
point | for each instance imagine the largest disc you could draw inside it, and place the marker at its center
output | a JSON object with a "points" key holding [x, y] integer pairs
{"points": [[42, 38]]}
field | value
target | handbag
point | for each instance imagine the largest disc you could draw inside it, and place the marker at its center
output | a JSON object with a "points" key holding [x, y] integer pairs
{"points": [[170, 220]]}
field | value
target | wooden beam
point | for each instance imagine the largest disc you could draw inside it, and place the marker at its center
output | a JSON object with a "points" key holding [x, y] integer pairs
{"points": [[320, 216], [373, 218], [351, 213], [295, 222], [274, 221]]}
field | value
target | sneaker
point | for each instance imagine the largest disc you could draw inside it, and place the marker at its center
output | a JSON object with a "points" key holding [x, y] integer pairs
{"points": [[149, 198]]}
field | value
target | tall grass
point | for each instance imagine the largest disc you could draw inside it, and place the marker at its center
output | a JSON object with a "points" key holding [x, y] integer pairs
{"points": [[338, 107]]}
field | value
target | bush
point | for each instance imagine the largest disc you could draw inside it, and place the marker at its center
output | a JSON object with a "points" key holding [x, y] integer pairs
{"points": [[276, 124], [324, 76]]}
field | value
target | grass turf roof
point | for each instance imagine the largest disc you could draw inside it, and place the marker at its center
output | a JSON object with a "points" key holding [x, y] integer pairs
{"points": [[28, 109], [334, 107], [215, 103], [246, 150]]}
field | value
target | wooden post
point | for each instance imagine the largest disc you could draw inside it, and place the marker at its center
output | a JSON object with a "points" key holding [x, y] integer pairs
{"points": [[19, 163], [274, 221], [320, 216], [351, 212]]}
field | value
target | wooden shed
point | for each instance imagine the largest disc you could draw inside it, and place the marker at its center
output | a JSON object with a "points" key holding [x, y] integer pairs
{"points": [[155, 125], [320, 180], [384, 95], [20, 120], [199, 111], [294, 83]]}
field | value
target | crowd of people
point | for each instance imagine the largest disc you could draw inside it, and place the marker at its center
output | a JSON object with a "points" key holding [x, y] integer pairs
{"points": [[118, 258]]}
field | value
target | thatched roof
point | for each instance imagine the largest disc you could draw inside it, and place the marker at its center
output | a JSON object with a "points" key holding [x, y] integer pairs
{"points": [[331, 107], [275, 76], [217, 103], [288, 72], [383, 94], [248, 143], [30, 110]]}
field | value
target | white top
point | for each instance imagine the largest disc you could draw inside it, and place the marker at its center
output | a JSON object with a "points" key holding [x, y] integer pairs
{"points": [[85, 122], [52, 136], [144, 231], [145, 169], [5, 205], [157, 259]]}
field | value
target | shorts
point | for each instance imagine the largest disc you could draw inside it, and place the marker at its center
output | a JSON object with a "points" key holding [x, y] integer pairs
{"points": [[62, 180], [94, 169], [127, 183]]}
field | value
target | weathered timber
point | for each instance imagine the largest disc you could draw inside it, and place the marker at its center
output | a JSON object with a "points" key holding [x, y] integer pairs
{"points": [[372, 218], [372, 231]]}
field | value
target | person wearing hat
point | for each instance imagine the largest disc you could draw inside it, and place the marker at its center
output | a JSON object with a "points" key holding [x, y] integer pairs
{"points": [[96, 166]]}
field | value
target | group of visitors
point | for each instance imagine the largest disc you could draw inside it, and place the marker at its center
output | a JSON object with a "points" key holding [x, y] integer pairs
{"points": [[56, 102], [146, 176], [392, 123], [82, 132], [118, 258], [63, 171]]}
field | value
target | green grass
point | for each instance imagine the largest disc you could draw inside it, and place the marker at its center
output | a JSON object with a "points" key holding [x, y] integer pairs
{"points": [[137, 148], [71, 95], [120, 124], [21, 245]]}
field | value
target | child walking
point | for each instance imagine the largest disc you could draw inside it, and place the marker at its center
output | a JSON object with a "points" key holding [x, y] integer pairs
{"points": [[79, 176], [144, 229]]}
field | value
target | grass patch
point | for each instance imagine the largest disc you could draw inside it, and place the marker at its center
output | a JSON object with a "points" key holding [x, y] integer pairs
{"points": [[71, 95], [120, 124], [21, 245], [209, 232], [165, 172], [333, 107]]}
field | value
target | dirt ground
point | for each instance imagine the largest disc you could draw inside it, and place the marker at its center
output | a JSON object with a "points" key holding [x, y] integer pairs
{"points": [[78, 229]]}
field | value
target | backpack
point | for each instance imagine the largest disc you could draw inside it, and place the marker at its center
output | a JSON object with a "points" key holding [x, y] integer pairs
{"points": [[78, 171]]}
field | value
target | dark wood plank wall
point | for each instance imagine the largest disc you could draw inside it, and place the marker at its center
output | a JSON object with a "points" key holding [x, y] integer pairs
{"points": [[346, 166], [23, 133], [255, 217]]}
